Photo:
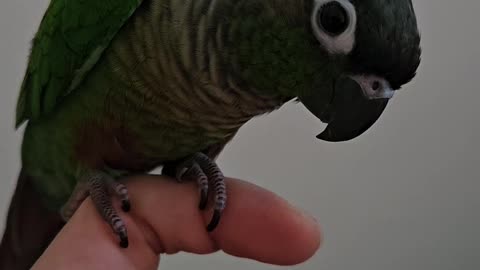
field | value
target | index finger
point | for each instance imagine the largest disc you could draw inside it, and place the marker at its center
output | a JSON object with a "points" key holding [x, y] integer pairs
{"points": [[165, 219]]}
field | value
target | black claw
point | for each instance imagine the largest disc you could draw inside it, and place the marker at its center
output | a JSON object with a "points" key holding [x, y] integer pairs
{"points": [[203, 199], [126, 205], [215, 220], [123, 242]]}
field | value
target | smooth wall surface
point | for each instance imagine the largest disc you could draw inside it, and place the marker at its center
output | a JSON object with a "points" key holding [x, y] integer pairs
{"points": [[403, 196]]}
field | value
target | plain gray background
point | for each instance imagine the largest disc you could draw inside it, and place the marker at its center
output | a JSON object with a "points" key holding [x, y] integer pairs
{"points": [[403, 196]]}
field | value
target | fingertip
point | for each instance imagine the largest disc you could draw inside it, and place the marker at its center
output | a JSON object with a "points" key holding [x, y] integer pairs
{"points": [[260, 225], [302, 237]]}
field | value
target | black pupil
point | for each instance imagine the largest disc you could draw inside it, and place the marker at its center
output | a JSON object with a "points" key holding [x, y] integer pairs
{"points": [[333, 18]]}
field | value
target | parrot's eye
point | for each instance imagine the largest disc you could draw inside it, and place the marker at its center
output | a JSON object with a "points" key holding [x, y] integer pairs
{"points": [[334, 24], [333, 18]]}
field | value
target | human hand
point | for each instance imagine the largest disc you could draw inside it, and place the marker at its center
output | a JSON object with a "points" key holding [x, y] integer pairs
{"points": [[256, 224]]}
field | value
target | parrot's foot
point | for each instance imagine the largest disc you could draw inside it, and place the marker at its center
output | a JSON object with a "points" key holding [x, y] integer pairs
{"points": [[99, 186], [121, 191], [201, 168]]}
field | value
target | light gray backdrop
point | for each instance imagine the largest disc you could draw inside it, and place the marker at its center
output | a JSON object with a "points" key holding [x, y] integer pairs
{"points": [[403, 196]]}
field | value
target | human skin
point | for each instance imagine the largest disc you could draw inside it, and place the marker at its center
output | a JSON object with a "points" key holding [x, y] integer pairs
{"points": [[164, 219]]}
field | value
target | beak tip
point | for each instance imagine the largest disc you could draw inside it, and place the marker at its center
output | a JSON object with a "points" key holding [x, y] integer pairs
{"points": [[321, 136], [327, 136], [324, 135]]}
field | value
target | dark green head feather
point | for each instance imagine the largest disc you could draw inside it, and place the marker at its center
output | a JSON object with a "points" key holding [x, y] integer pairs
{"points": [[387, 40], [279, 52]]}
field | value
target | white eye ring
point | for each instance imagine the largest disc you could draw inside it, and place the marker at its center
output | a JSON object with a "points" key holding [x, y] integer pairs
{"points": [[343, 43]]}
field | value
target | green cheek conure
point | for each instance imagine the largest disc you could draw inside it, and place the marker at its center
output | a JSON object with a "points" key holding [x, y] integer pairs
{"points": [[115, 88]]}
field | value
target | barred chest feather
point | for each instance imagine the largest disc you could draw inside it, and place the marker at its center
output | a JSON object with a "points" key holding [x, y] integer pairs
{"points": [[176, 70]]}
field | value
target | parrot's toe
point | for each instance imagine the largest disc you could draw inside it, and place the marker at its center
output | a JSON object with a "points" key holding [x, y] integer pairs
{"points": [[209, 178], [99, 185], [215, 220], [121, 191]]}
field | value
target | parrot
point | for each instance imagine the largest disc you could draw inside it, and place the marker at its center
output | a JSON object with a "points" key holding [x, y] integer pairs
{"points": [[116, 88]]}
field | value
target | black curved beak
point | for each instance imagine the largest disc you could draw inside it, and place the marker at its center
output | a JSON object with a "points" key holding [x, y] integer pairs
{"points": [[355, 105]]}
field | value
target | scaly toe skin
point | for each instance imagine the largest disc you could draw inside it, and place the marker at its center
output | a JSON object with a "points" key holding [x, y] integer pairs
{"points": [[194, 172], [98, 187], [220, 201], [216, 184], [121, 191], [209, 178]]}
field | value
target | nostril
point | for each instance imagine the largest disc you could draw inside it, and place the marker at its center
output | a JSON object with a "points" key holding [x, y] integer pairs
{"points": [[376, 85]]}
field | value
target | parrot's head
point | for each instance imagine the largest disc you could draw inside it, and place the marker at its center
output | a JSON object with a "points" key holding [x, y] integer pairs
{"points": [[373, 48]]}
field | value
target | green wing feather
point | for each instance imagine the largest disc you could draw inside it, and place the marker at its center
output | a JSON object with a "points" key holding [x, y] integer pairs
{"points": [[71, 38]]}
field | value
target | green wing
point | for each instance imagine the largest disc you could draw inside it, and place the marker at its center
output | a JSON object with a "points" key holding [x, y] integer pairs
{"points": [[71, 38]]}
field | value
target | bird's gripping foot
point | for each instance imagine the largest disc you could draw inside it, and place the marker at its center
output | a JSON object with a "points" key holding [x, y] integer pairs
{"points": [[100, 187], [209, 178]]}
